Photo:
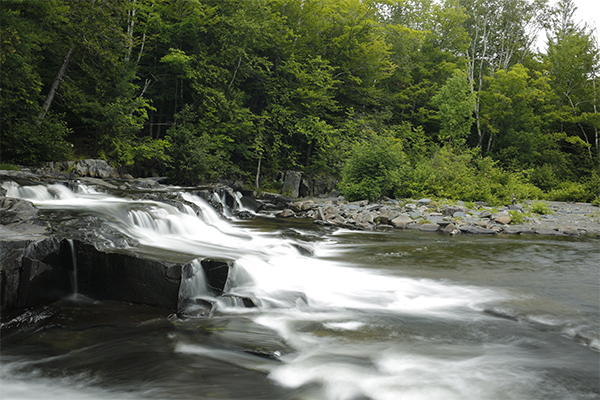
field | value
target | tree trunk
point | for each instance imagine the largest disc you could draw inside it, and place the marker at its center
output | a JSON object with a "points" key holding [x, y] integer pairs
{"points": [[258, 172], [55, 85]]}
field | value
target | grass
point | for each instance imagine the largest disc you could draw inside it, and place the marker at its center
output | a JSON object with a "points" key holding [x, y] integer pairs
{"points": [[9, 167]]}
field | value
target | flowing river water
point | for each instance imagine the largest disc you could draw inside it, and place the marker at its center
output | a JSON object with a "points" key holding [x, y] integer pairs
{"points": [[342, 315]]}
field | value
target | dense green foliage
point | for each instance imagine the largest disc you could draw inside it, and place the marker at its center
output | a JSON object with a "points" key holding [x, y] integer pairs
{"points": [[395, 97]]}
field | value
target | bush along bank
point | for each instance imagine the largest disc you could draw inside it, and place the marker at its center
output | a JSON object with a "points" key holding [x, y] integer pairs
{"points": [[547, 218]]}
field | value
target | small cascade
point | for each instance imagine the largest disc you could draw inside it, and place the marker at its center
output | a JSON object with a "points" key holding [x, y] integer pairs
{"points": [[74, 280]]}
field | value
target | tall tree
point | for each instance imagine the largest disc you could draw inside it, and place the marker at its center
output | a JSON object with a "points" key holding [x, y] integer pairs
{"points": [[573, 61], [456, 104], [502, 33]]}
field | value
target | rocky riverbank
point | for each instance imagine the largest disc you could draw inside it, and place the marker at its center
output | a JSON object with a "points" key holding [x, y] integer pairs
{"points": [[557, 218]]}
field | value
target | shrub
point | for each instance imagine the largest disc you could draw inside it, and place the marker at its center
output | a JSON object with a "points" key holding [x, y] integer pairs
{"points": [[465, 176], [540, 207], [569, 191], [373, 170]]}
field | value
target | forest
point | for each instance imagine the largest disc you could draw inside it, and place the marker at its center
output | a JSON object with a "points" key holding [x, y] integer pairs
{"points": [[403, 98]]}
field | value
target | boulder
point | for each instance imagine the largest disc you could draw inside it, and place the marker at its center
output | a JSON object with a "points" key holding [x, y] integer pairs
{"points": [[366, 217], [473, 229], [291, 183], [95, 169], [276, 200], [546, 231], [450, 210], [401, 221], [387, 215], [517, 229], [570, 231], [34, 270], [217, 274], [126, 277], [502, 218], [15, 211], [485, 214], [250, 203], [429, 227], [287, 213], [451, 229]]}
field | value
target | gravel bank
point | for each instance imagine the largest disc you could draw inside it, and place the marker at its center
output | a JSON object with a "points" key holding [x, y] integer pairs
{"points": [[571, 219]]}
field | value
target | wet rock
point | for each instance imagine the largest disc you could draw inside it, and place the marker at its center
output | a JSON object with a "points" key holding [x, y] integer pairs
{"points": [[250, 203], [14, 211], [451, 229], [287, 213], [217, 274], [234, 300], [127, 278], [33, 270], [570, 231]]}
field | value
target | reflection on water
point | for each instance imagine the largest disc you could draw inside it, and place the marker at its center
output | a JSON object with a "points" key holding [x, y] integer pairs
{"points": [[341, 315]]}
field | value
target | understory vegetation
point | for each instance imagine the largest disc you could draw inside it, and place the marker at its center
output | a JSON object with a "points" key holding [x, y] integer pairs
{"points": [[396, 98]]}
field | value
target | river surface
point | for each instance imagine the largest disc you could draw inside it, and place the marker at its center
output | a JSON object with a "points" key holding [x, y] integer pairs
{"points": [[342, 315]]}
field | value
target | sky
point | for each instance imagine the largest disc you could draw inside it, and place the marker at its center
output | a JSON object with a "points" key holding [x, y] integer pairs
{"points": [[588, 11]]}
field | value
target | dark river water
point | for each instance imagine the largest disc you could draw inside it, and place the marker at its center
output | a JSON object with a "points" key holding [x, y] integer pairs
{"points": [[341, 315]]}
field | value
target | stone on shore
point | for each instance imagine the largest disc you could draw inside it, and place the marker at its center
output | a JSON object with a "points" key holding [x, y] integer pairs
{"points": [[502, 218], [429, 227], [401, 221]]}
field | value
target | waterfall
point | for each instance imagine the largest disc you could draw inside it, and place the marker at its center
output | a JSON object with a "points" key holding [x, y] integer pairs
{"points": [[74, 263]]}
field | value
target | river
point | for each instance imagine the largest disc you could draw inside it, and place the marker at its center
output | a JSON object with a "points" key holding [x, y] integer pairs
{"points": [[341, 315]]}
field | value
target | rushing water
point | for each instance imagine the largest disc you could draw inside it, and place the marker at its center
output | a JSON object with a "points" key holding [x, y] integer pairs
{"points": [[386, 315]]}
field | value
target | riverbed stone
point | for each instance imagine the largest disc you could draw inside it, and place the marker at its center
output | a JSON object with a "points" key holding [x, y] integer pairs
{"points": [[401, 221], [502, 218], [423, 202], [517, 229], [386, 216], [568, 231], [459, 214], [451, 229], [546, 231], [485, 214], [429, 227], [287, 213], [474, 229], [416, 215]]}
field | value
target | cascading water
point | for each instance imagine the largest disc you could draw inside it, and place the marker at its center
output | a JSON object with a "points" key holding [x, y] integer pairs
{"points": [[368, 316], [74, 264]]}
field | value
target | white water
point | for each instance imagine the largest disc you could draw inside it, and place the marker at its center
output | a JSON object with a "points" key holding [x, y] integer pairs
{"points": [[357, 332]]}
